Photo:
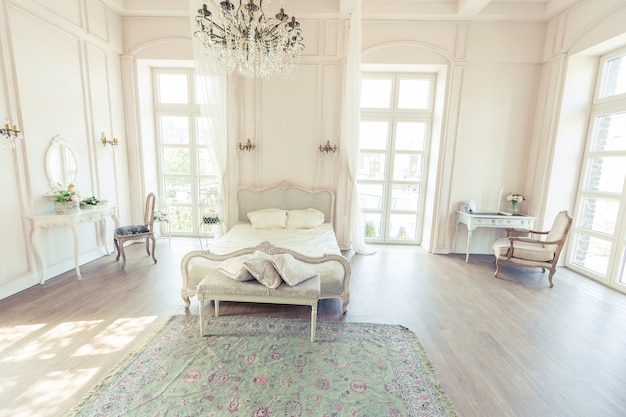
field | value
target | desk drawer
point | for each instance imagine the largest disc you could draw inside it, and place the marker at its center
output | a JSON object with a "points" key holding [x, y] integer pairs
{"points": [[504, 222]]}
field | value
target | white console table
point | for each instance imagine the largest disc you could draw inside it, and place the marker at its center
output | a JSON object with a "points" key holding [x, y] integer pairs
{"points": [[491, 220], [97, 214]]}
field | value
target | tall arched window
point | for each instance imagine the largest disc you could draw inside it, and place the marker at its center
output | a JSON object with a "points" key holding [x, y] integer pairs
{"points": [[598, 245]]}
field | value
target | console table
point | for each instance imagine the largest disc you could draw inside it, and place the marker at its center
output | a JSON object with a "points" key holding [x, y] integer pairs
{"points": [[97, 214], [491, 220]]}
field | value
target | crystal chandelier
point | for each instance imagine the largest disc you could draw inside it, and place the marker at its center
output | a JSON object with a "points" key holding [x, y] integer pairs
{"points": [[246, 41]]}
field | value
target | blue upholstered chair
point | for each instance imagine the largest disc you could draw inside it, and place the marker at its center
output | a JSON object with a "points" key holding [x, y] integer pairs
{"points": [[136, 232]]}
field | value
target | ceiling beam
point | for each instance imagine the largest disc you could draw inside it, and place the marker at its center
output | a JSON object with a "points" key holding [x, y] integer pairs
{"points": [[406, 10], [471, 7]]}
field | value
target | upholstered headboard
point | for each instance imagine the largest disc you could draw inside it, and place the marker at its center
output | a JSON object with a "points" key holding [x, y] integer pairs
{"points": [[285, 196]]}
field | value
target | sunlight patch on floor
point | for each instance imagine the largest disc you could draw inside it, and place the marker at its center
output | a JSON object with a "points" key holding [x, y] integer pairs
{"points": [[11, 335], [41, 401], [7, 381], [116, 336], [52, 342]]}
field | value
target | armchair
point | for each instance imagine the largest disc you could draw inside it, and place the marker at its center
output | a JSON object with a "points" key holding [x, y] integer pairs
{"points": [[534, 252], [136, 232]]}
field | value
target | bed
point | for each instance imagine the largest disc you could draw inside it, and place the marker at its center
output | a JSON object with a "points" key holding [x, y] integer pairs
{"points": [[309, 237]]}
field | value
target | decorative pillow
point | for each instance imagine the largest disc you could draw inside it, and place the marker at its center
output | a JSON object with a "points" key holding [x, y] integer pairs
{"points": [[264, 272], [268, 219], [304, 219], [236, 269], [132, 230], [290, 270]]}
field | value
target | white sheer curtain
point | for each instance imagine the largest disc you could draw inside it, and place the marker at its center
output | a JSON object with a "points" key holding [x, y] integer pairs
{"points": [[350, 125], [213, 89]]}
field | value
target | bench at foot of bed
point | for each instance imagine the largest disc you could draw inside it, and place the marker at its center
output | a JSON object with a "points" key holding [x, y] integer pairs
{"points": [[334, 270], [218, 287]]}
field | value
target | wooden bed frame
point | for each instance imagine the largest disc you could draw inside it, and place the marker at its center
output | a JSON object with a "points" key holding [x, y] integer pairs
{"points": [[197, 264]]}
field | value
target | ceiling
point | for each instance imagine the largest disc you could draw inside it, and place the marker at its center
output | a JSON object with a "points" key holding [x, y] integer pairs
{"points": [[458, 10]]}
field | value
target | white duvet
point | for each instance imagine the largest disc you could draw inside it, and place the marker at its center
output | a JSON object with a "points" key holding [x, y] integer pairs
{"points": [[310, 242], [314, 242]]}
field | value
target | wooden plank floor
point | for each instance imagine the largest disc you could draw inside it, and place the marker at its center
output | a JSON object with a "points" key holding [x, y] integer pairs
{"points": [[500, 347]]}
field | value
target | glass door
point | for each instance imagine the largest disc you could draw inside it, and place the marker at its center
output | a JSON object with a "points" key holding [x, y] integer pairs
{"points": [[396, 115], [188, 178]]}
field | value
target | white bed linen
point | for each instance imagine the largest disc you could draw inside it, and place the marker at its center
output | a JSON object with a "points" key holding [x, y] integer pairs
{"points": [[313, 242]]}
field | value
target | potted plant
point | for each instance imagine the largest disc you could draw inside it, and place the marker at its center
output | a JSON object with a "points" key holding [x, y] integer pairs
{"points": [[66, 200], [210, 219], [89, 202]]}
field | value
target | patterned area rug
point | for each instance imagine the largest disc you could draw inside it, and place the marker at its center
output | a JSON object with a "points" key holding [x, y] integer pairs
{"points": [[268, 367]]}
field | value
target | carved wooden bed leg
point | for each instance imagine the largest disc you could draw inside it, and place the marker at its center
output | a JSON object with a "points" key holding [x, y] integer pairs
{"points": [[346, 300]]}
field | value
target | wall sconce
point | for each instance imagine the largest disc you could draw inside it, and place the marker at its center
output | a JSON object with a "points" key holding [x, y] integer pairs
{"points": [[327, 149], [10, 136], [248, 146], [106, 142]]}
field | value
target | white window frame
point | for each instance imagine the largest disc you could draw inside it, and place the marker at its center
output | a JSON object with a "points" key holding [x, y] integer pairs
{"points": [[615, 276], [393, 115], [192, 110]]}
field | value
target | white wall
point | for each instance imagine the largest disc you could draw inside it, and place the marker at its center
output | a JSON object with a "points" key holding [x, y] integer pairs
{"points": [[286, 119], [62, 68], [486, 122], [491, 111], [71, 67], [574, 42]]}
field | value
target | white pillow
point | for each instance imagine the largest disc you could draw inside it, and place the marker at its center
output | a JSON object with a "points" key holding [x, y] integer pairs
{"points": [[235, 268], [304, 219], [268, 219], [264, 272], [290, 270]]}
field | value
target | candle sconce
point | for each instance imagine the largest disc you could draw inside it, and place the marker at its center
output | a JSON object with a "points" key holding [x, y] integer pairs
{"points": [[327, 148], [10, 136], [113, 143], [248, 146]]}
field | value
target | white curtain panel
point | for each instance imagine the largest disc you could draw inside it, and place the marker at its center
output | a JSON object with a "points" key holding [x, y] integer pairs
{"points": [[350, 125], [213, 87]]}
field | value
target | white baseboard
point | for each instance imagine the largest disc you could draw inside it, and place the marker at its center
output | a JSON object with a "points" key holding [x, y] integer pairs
{"points": [[31, 279]]}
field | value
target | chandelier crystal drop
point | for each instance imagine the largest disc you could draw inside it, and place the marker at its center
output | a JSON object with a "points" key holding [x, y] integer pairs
{"points": [[246, 41]]}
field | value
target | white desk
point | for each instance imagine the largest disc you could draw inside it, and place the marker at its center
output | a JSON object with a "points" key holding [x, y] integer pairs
{"points": [[491, 220], [96, 214]]}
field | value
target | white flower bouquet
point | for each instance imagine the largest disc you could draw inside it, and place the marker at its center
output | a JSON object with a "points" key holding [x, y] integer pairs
{"points": [[515, 197]]}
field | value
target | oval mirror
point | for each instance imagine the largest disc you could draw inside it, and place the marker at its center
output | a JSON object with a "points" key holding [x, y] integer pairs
{"points": [[61, 163]]}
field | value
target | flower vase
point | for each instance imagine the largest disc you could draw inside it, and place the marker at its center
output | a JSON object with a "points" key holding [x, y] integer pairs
{"points": [[70, 207], [513, 209]]}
